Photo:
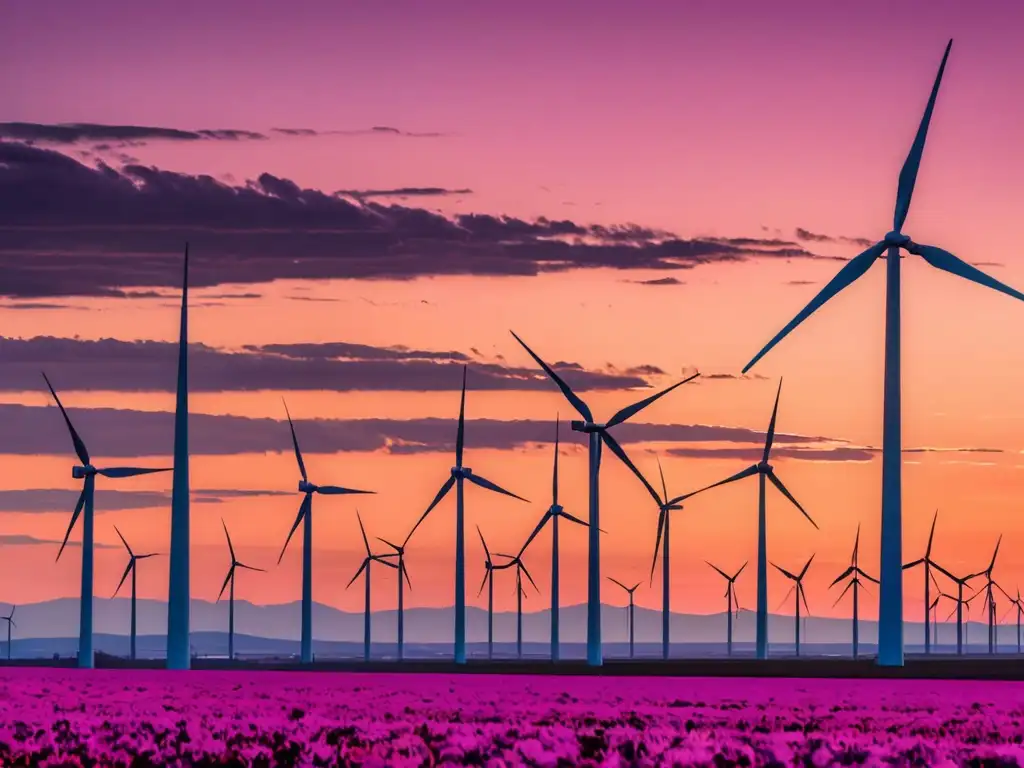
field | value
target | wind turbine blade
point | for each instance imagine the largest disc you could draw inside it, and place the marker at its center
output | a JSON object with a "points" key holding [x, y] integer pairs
{"points": [[664, 487], [227, 579], [943, 571], [841, 576], [547, 516], [1000, 588], [437, 500], [632, 410], [751, 470], [487, 552], [116, 472], [483, 583], [842, 594], [770, 437], [231, 548], [853, 269], [931, 535], [723, 573], [785, 492], [295, 443], [132, 554], [385, 541], [405, 572], [483, 482], [869, 577], [946, 261], [992, 564], [739, 572], [80, 449], [803, 596], [619, 583], [856, 546], [913, 564], [527, 572], [554, 474], [574, 519], [786, 573], [337, 490], [362, 530], [574, 400], [613, 444], [74, 519], [127, 570], [147, 555], [307, 500], [657, 541], [908, 174], [362, 567], [460, 437], [806, 566], [786, 598], [250, 568]]}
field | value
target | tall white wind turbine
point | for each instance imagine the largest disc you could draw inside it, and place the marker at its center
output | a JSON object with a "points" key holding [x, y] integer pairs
{"points": [[890, 601]]}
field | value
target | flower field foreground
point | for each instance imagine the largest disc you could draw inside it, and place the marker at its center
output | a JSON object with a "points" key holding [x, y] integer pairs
{"points": [[101, 717]]}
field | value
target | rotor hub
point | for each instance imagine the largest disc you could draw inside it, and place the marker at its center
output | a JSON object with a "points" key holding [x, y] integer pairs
{"points": [[556, 509], [81, 472], [764, 467], [461, 471], [586, 426], [306, 487], [896, 239], [673, 506]]}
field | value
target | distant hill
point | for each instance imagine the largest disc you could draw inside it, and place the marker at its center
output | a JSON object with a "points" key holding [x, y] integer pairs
{"points": [[52, 627]]}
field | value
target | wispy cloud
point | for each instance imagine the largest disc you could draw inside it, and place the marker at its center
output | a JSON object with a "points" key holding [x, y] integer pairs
{"points": [[43, 500], [74, 133], [22, 540]]}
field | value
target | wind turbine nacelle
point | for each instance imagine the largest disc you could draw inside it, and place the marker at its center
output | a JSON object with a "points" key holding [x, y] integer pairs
{"points": [[461, 471], [80, 473], [306, 487], [585, 426]]}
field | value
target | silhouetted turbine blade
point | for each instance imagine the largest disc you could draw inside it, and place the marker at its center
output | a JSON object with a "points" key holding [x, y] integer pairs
{"points": [[74, 519], [231, 548], [227, 579], [868, 576], [785, 572], [117, 472], [132, 554], [336, 490], [295, 443], [127, 570], [485, 483], [307, 500], [547, 516], [770, 437], [908, 174], [554, 473], [931, 535], [460, 436], [574, 519], [841, 576], [853, 269], [785, 492], [523, 567], [487, 552], [483, 583], [946, 261], [632, 410], [405, 572], [362, 530], [751, 470], [613, 444], [657, 541], [366, 562], [437, 500], [842, 594], [80, 449], [619, 583], [249, 567], [723, 573], [571, 396], [913, 564]]}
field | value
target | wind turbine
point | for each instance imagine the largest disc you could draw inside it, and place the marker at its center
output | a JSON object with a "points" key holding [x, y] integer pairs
{"points": [[597, 435], [305, 516], [9, 619], [959, 599], [927, 563], [989, 602], [459, 474], [554, 512], [730, 601], [132, 561], [230, 579], [890, 629], [1015, 602], [629, 591], [87, 473], [365, 566], [798, 586], [402, 571], [489, 568], [665, 506], [179, 595], [517, 561], [764, 471], [855, 583]]}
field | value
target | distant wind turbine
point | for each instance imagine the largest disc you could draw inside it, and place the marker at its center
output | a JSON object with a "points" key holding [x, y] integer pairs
{"points": [[87, 473], [1015, 602], [132, 561], [517, 562], [554, 512], [365, 566], [798, 587], [855, 583], [959, 600], [9, 619], [730, 601], [459, 474], [665, 506], [489, 568], [305, 516], [990, 601], [764, 471], [598, 434], [230, 579], [179, 594], [890, 627], [630, 611], [402, 571], [927, 563]]}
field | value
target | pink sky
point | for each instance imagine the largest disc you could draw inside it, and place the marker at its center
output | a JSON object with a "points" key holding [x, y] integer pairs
{"points": [[749, 121]]}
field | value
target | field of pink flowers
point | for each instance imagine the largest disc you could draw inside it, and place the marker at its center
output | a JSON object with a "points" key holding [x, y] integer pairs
{"points": [[72, 717]]}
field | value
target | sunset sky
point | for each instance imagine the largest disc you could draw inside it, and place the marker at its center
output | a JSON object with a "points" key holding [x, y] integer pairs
{"points": [[376, 193]]}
